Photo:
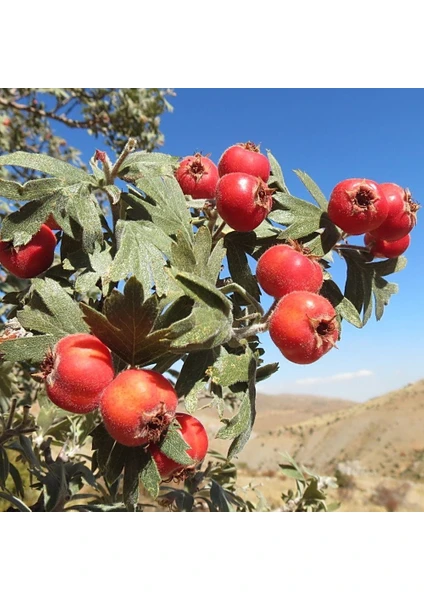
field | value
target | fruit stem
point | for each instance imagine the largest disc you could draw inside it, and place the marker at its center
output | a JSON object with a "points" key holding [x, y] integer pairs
{"points": [[269, 312], [130, 146], [241, 333], [234, 287], [218, 233]]}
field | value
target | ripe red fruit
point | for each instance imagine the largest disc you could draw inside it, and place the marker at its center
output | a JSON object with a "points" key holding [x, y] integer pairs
{"points": [[283, 269], [77, 371], [401, 217], [51, 223], [385, 249], [304, 327], [244, 158], [243, 201], [197, 176], [31, 259], [196, 437], [6, 121], [138, 406], [357, 205]]}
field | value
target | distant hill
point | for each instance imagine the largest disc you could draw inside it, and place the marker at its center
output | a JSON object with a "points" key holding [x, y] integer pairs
{"points": [[385, 434]]}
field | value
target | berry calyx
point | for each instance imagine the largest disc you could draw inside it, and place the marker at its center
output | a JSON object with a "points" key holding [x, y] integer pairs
{"points": [[194, 434], [283, 269], [138, 406], [244, 158], [77, 371], [243, 201], [385, 249], [402, 213], [304, 327], [357, 206], [31, 259], [197, 176]]}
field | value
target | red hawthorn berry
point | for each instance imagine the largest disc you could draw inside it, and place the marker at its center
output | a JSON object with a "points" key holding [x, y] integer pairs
{"points": [[194, 434], [357, 205], [197, 176], [77, 371], [304, 327], [31, 259], [243, 201], [138, 406], [244, 158], [7, 122], [385, 249], [402, 214], [283, 269], [51, 223]]}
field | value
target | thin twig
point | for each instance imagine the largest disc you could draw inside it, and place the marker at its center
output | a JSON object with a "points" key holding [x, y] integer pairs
{"points": [[11, 414], [48, 114], [130, 146], [234, 287]]}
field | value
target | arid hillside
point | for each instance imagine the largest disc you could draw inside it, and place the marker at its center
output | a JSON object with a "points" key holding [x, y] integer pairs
{"points": [[383, 438]]}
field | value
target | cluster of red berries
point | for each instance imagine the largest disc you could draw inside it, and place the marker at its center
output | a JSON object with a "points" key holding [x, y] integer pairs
{"points": [[303, 325], [137, 406], [384, 212], [33, 258], [238, 183]]}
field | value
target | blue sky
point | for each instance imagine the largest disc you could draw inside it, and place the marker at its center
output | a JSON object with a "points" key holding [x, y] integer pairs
{"points": [[332, 134]]}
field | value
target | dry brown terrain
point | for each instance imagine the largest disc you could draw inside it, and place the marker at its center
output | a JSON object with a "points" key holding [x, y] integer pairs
{"points": [[384, 438]]}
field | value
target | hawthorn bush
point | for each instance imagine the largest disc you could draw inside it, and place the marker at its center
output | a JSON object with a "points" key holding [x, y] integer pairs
{"points": [[159, 283]]}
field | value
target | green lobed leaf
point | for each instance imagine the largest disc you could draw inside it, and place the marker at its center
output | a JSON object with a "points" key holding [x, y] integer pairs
{"points": [[202, 329], [304, 220], [364, 281], [126, 325], [46, 164], [83, 208], [202, 247], [239, 267], [201, 291], [33, 189], [229, 369], [115, 463], [140, 164], [142, 251], [165, 203], [191, 379], [51, 310], [182, 256], [266, 371], [175, 447], [150, 478], [215, 260], [218, 497], [31, 349], [249, 415], [55, 488], [90, 268], [313, 189], [21, 225], [102, 444], [4, 467], [344, 307], [277, 176]]}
